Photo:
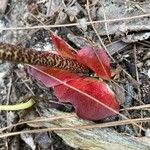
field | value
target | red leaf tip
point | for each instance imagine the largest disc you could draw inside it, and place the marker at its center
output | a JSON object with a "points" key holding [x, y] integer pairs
{"points": [[96, 59]]}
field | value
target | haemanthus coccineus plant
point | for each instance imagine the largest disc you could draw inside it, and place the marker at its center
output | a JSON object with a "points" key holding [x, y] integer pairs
{"points": [[92, 98]]}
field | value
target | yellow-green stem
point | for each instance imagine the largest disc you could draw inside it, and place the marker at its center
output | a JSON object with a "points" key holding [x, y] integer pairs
{"points": [[20, 106]]}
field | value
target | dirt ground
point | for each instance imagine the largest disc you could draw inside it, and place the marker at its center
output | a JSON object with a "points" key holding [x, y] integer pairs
{"points": [[122, 28]]}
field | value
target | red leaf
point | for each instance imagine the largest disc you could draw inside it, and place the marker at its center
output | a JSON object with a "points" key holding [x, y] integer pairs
{"points": [[86, 107], [63, 47], [63, 75], [97, 60]]}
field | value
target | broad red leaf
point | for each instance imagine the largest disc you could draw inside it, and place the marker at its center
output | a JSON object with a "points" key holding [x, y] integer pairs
{"points": [[86, 108], [97, 60], [63, 47]]}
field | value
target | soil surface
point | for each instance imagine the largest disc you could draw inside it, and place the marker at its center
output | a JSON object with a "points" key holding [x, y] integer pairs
{"points": [[114, 27]]}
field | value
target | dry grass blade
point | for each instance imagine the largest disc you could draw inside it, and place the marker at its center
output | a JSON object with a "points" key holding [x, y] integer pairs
{"points": [[102, 125], [137, 107], [36, 120], [74, 24]]}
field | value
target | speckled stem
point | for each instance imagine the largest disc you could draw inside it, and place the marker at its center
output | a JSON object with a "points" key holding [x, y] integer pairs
{"points": [[19, 54]]}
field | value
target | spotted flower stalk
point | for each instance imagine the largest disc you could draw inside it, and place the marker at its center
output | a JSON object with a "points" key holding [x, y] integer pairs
{"points": [[19, 54]]}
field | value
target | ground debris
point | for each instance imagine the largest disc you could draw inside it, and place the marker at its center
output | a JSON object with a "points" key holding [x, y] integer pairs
{"points": [[127, 42]]}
